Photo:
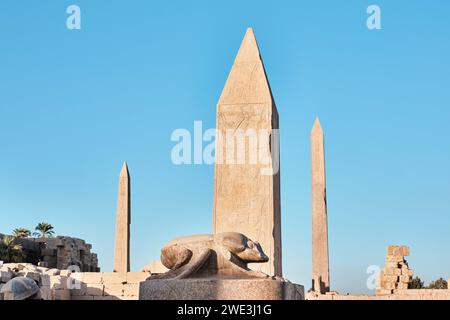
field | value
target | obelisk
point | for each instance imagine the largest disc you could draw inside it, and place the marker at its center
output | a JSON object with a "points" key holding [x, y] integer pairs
{"points": [[320, 265], [247, 190], [123, 221]]}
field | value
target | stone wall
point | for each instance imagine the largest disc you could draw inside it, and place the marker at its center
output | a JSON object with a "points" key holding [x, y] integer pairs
{"points": [[106, 285], [59, 252], [396, 274], [408, 294], [63, 285]]}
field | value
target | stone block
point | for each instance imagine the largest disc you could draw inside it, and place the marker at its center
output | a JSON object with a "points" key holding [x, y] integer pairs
{"points": [[42, 270], [392, 271], [106, 298], [78, 289], [54, 282], [82, 298], [65, 273], [392, 279], [131, 289], [92, 277], [405, 279], [53, 272], [137, 277], [407, 272], [46, 293], [36, 276], [5, 276], [114, 290], [114, 278], [381, 291], [394, 258], [95, 289], [220, 289], [61, 294], [392, 264], [402, 286]]}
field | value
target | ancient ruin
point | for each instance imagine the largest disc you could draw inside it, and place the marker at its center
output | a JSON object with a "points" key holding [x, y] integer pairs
{"points": [[242, 258], [59, 252], [320, 264], [246, 192], [123, 221], [396, 274]]}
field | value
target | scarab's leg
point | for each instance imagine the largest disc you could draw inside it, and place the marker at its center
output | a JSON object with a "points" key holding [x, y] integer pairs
{"points": [[195, 264], [175, 258]]}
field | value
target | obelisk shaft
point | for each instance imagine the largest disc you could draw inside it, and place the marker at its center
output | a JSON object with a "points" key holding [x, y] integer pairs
{"points": [[246, 197], [123, 221], [320, 264]]}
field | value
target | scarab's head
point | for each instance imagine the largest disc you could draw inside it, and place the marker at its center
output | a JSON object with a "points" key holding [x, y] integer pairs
{"points": [[244, 248]]}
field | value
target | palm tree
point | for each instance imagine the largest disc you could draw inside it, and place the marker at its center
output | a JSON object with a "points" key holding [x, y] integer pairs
{"points": [[10, 251], [21, 233], [44, 230]]}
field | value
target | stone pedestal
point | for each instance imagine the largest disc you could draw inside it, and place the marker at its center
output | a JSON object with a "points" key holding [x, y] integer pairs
{"points": [[220, 289]]}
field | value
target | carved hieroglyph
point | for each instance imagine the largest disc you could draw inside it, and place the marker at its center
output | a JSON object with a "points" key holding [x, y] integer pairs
{"points": [[122, 243], [320, 267], [247, 193]]}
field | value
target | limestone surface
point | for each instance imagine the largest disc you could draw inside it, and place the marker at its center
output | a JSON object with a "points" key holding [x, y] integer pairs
{"points": [[222, 255], [220, 289], [247, 187], [320, 263], [396, 274], [123, 221]]}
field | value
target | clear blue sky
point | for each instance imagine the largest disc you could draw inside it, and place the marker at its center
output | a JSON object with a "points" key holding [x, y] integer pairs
{"points": [[75, 104]]}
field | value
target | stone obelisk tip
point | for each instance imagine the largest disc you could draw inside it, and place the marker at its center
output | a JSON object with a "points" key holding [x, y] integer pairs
{"points": [[249, 50], [124, 171], [317, 127]]}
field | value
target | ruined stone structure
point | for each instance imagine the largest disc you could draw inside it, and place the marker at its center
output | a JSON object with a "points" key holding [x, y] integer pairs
{"points": [[59, 252], [123, 220], [58, 284], [247, 190], [320, 264], [396, 274]]}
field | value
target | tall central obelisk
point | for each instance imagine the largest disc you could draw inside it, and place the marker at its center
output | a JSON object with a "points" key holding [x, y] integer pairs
{"points": [[123, 221], [320, 265], [247, 191]]}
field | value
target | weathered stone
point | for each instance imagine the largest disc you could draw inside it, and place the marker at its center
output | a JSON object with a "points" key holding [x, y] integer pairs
{"points": [[95, 289], [155, 267], [61, 294], [136, 277], [247, 182], [320, 264], [82, 298], [53, 272], [113, 290], [220, 289], [123, 220], [65, 273], [5, 276], [106, 298], [114, 278], [219, 255], [54, 282], [89, 277], [131, 290]]}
